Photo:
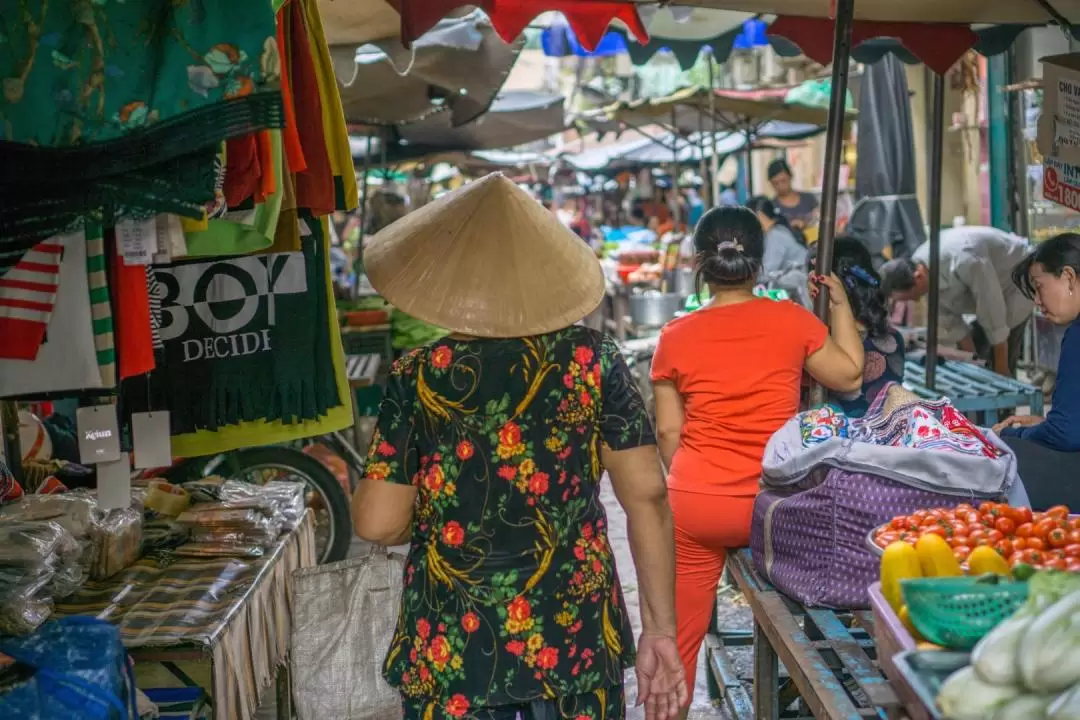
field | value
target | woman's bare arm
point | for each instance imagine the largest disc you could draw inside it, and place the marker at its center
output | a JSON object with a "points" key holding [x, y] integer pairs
{"points": [[382, 512], [670, 417], [838, 365]]}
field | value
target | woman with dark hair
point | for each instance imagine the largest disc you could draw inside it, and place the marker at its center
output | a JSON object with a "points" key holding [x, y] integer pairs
{"points": [[800, 208], [1046, 447], [785, 259], [727, 377], [883, 345]]}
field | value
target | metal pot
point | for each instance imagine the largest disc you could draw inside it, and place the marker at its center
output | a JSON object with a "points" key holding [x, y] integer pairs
{"points": [[684, 282], [654, 309]]}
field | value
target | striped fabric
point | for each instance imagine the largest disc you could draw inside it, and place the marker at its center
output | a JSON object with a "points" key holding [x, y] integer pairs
{"points": [[100, 309], [27, 295], [156, 293]]}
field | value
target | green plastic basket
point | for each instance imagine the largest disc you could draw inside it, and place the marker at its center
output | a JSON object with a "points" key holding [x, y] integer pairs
{"points": [[957, 612]]}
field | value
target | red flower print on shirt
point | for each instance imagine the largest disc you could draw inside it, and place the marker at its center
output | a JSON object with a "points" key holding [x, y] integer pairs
{"points": [[538, 483], [439, 652], [583, 355], [548, 658], [464, 450], [386, 449], [434, 479], [453, 534], [508, 472], [457, 706], [510, 435], [515, 647], [423, 629], [470, 622], [441, 357], [568, 381], [519, 609]]}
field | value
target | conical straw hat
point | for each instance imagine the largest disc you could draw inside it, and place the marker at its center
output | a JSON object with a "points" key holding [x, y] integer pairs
{"points": [[486, 260]]}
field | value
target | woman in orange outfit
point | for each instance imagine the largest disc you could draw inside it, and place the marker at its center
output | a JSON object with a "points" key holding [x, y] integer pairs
{"points": [[726, 378]]}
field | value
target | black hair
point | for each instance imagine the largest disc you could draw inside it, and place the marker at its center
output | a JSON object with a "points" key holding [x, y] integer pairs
{"points": [[897, 276], [637, 209], [778, 166], [1059, 252], [730, 245], [854, 265], [765, 206]]}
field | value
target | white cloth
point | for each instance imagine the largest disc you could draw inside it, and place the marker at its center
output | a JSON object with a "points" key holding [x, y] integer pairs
{"points": [[67, 360], [976, 279]]}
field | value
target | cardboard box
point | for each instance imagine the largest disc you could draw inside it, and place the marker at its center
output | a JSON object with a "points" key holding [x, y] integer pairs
{"points": [[1059, 129]]}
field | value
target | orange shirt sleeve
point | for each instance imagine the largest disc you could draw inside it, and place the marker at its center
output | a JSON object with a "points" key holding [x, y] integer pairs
{"points": [[663, 362]]}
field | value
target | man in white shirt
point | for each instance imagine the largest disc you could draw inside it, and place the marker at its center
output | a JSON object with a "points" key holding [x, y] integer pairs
{"points": [[976, 279]]}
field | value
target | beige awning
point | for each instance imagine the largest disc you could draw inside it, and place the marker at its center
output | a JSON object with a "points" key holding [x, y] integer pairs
{"points": [[920, 11]]}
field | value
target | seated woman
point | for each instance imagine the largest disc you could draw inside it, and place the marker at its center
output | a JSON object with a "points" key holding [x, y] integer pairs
{"points": [[726, 378], [883, 345], [1047, 449], [784, 264]]}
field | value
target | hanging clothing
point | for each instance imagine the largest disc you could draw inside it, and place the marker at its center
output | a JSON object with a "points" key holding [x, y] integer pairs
{"points": [[27, 296], [131, 304]]}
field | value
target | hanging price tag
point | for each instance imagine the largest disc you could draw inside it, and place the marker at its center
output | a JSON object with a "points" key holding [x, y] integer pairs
{"points": [[151, 439], [99, 434], [136, 241], [114, 484]]}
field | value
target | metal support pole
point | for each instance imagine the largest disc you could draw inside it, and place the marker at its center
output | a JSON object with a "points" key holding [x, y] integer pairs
{"points": [[673, 193], [834, 145], [357, 261], [714, 162], [937, 132], [749, 162], [702, 167]]}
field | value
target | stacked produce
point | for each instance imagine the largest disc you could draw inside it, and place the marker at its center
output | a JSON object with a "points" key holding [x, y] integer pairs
{"points": [[1043, 540], [1028, 667]]}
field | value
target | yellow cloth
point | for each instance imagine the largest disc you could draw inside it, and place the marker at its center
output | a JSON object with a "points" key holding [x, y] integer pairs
{"points": [[337, 134], [251, 434]]}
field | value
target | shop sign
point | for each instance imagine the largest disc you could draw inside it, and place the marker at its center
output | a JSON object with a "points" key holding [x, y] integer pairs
{"points": [[1061, 184], [1059, 129]]}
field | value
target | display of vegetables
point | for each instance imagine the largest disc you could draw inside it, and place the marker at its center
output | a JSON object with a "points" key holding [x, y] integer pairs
{"points": [[1028, 667], [1043, 540]]}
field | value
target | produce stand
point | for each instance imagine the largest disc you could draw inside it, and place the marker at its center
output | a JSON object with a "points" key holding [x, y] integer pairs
{"points": [[973, 390], [232, 615], [829, 657]]}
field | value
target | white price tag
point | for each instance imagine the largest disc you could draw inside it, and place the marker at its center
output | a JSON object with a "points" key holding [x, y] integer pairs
{"points": [[99, 434], [114, 484], [151, 439], [136, 241]]}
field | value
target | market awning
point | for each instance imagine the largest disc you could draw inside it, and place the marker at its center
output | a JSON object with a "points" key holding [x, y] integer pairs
{"points": [[515, 118], [460, 64]]}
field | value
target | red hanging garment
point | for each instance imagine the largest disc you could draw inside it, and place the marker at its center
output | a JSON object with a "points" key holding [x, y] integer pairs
{"points": [[938, 45], [131, 318], [290, 136], [315, 185], [589, 19], [242, 170]]}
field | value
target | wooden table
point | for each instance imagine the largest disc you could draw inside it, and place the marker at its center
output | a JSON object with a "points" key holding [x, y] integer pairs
{"points": [[828, 659], [973, 390]]}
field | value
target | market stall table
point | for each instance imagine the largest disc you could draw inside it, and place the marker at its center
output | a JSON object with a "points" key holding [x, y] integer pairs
{"points": [[973, 390], [233, 614], [828, 656]]}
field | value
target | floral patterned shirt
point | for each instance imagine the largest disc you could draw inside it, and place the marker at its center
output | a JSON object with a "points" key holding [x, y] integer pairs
{"points": [[510, 591], [884, 364]]}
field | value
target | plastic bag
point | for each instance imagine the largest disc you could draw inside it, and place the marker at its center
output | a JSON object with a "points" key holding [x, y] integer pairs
{"points": [[74, 511], [118, 541]]}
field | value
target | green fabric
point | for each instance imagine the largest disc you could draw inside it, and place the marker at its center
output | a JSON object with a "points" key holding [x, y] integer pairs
{"points": [[100, 307], [264, 320], [227, 237]]}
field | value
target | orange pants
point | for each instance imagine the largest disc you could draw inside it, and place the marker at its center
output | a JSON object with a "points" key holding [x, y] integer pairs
{"points": [[705, 527]]}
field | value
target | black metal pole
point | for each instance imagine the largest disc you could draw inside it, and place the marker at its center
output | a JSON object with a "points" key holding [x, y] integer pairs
{"points": [[937, 132], [749, 163], [834, 145], [714, 162]]}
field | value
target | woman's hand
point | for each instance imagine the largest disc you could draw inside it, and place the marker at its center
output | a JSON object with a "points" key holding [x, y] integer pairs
{"points": [[837, 294], [1017, 421], [661, 678]]}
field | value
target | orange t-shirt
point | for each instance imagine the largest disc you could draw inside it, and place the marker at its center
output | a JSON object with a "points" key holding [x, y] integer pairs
{"points": [[738, 368]]}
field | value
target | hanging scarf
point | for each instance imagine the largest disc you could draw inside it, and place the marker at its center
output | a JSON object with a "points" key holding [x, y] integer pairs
{"points": [[245, 338]]}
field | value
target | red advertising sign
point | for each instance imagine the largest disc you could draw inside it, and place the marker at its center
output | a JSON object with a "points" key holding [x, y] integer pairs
{"points": [[1056, 190]]}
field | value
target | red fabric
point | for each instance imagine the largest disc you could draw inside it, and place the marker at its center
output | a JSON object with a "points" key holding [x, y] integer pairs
{"points": [[315, 185], [938, 45], [242, 170], [291, 137], [264, 148], [27, 295], [589, 19], [131, 315]]}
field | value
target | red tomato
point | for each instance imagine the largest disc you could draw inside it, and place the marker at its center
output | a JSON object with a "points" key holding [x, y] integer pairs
{"points": [[957, 541], [1034, 543], [1074, 523], [885, 539], [1055, 564], [1061, 512], [976, 534], [1017, 559], [973, 518], [1019, 544], [920, 515], [1058, 553], [1024, 530], [1006, 526], [1057, 538], [1032, 557], [994, 535], [1036, 517], [1072, 550], [964, 508], [1004, 547], [933, 530], [900, 522], [961, 552], [1072, 565], [1020, 515], [986, 507], [1074, 536], [1043, 527]]}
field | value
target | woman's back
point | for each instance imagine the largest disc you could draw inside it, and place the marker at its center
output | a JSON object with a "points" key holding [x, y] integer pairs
{"points": [[738, 368], [510, 588]]}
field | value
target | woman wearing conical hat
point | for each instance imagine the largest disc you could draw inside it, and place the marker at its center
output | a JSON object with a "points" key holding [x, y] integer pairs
{"points": [[487, 458]]}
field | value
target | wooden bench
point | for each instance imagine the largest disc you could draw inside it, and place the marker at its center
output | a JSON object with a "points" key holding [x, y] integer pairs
{"points": [[827, 657], [973, 390]]}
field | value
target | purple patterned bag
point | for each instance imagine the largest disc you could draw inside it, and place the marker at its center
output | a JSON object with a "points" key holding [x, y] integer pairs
{"points": [[809, 541]]}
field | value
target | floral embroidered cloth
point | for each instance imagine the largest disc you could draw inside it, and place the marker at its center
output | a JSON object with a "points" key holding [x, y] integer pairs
{"points": [[884, 364], [510, 588]]}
